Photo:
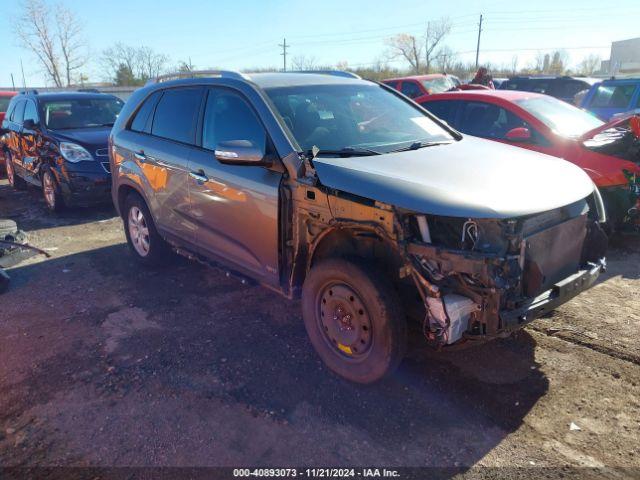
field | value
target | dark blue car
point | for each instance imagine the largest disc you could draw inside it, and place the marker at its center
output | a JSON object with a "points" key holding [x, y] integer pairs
{"points": [[58, 142], [612, 97]]}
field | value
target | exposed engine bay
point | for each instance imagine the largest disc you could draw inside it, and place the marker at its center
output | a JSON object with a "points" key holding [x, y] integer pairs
{"points": [[478, 277]]}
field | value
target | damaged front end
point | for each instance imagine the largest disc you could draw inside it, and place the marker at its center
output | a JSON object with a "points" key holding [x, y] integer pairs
{"points": [[620, 139], [484, 278]]}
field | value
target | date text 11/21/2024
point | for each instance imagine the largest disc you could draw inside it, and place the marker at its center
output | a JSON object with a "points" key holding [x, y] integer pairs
{"points": [[316, 472]]}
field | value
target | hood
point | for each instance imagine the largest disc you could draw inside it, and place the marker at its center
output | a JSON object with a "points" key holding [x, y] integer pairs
{"points": [[619, 121], [471, 178], [89, 138]]}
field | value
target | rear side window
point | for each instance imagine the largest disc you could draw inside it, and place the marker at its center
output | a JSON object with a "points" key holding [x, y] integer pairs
{"points": [[30, 112], [411, 89], [142, 120], [176, 114], [12, 107], [487, 120], [18, 112], [392, 84], [613, 96], [228, 117], [443, 109]]}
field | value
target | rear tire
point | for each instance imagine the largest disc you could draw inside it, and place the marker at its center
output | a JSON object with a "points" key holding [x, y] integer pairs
{"points": [[14, 180], [354, 319], [51, 193], [144, 241]]}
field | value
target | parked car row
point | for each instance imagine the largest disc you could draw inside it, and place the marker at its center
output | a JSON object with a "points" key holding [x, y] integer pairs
{"points": [[535, 113], [343, 192]]}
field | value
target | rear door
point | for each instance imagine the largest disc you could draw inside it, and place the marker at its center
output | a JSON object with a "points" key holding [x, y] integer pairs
{"points": [[165, 126], [235, 208]]}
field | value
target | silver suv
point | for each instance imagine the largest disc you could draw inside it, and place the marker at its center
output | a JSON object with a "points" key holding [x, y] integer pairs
{"points": [[346, 193]]}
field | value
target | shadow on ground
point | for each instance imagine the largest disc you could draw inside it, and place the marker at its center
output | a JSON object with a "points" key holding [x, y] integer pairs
{"points": [[192, 338]]}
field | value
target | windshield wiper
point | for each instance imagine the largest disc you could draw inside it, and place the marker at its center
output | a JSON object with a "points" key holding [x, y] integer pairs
{"points": [[344, 152], [417, 145]]}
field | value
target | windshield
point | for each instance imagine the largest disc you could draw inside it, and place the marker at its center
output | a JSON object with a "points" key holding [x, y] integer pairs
{"points": [[81, 113], [438, 85], [4, 103], [335, 117], [559, 116]]}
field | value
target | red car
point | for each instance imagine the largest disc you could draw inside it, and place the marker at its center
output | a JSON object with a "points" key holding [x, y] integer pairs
{"points": [[419, 87], [5, 97], [608, 152]]}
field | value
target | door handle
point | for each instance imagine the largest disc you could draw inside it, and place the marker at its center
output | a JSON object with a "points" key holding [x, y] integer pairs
{"points": [[199, 176], [140, 156]]}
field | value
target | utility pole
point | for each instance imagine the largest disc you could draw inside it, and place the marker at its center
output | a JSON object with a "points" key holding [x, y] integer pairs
{"points": [[284, 53], [13, 84], [478, 46]]}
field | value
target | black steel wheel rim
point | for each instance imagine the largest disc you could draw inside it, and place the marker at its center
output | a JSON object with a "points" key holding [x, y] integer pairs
{"points": [[344, 321]]}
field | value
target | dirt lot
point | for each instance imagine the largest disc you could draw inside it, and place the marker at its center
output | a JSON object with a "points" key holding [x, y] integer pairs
{"points": [[106, 364]]}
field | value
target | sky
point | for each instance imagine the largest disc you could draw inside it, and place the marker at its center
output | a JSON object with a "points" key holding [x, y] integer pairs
{"points": [[244, 34]]}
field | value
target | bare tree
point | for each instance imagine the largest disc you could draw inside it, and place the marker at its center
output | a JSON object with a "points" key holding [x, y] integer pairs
{"points": [[150, 63], [590, 64], [34, 31], [446, 59], [436, 31], [72, 46], [514, 65], [122, 62], [407, 47], [302, 62], [559, 62]]}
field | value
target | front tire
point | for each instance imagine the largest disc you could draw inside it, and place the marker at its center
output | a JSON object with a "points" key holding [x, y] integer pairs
{"points": [[51, 193], [354, 320], [144, 241]]}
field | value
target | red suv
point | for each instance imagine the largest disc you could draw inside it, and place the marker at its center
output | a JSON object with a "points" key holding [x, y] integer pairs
{"points": [[419, 87], [608, 152], [5, 98]]}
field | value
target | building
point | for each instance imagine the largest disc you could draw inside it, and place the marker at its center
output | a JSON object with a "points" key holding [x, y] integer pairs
{"points": [[624, 59]]}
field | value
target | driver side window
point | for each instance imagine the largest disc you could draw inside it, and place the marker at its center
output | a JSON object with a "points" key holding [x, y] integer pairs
{"points": [[228, 117]]}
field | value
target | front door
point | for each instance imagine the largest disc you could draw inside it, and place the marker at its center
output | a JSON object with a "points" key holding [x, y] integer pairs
{"points": [[234, 207], [31, 140]]}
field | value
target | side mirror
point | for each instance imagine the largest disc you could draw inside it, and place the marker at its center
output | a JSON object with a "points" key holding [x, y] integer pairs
{"points": [[241, 152], [30, 125], [519, 134]]}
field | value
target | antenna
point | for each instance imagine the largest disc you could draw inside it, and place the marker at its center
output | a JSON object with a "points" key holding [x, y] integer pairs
{"points": [[24, 82]]}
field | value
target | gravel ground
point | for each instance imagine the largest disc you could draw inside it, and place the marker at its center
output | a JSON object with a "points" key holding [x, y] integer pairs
{"points": [[105, 364]]}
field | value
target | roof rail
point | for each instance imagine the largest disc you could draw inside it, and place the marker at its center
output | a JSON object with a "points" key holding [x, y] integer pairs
{"points": [[197, 74], [26, 92], [335, 73]]}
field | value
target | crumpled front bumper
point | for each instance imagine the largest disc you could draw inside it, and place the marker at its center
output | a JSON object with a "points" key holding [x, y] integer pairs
{"points": [[560, 293]]}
